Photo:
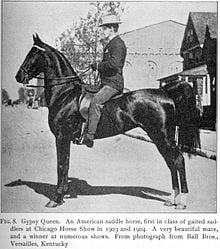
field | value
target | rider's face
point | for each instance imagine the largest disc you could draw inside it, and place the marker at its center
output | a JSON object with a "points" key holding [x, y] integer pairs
{"points": [[107, 31]]}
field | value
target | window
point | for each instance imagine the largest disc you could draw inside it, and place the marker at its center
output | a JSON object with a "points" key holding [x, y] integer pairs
{"points": [[206, 86], [190, 58], [198, 55], [190, 35], [195, 86]]}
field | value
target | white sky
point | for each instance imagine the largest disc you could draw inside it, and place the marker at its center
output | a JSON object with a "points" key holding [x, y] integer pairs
{"points": [[49, 19]]}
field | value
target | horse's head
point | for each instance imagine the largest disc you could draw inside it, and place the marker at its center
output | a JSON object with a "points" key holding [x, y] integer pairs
{"points": [[34, 62]]}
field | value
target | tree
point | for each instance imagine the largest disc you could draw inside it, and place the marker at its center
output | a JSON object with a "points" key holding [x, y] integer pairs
{"points": [[5, 96], [80, 44], [21, 95]]}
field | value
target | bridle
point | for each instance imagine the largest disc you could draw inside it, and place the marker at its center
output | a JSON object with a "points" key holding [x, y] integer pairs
{"points": [[67, 79]]}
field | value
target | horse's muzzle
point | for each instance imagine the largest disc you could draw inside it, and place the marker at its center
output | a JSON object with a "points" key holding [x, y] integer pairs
{"points": [[18, 77], [22, 77]]}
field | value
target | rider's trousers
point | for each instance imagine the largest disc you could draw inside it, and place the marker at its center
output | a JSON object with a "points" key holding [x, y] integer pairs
{"points": [[102, 96]]}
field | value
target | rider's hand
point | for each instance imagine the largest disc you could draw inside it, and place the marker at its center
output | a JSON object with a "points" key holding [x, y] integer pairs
{"points": [[94, 66]]}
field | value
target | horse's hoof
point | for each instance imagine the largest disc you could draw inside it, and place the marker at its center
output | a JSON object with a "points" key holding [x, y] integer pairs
{"points": [[53, 204], [180, 206], [19, 182], [60, 203], [67, 196], [168, 203]]}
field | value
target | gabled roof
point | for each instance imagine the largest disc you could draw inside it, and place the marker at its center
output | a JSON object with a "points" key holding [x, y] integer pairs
{"points": [[212, 26], [201, 20], [149, 26], [155, 36], [196, 71]]}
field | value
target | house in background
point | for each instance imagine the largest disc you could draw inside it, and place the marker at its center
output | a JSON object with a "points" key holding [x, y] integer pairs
{"points": [[198, 51], [209, 55], [152, 52]]}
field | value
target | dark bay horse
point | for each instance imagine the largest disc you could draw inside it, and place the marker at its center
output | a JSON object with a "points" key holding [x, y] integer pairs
{"points": [[156, 111]]}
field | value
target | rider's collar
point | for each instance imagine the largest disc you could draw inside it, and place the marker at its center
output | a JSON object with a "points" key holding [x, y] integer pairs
{"points": [[111, 37]]}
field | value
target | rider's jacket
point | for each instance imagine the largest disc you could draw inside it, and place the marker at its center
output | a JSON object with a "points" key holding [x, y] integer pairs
{"points": [[111, 67]]}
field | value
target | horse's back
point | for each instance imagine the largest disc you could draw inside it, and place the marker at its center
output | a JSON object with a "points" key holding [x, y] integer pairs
{"points": [[137, 108], [141, 97]]}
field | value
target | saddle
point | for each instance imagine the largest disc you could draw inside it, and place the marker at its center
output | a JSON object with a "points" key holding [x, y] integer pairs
{"points": [[86, 97], [84, 103]]}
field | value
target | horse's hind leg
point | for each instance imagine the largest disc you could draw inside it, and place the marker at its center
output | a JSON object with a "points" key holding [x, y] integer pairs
{"points": [[180, 164], [175, 161]]}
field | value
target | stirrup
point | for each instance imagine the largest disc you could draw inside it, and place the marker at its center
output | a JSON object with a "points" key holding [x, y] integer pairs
{"points": [[79, 140], [87, 141]]}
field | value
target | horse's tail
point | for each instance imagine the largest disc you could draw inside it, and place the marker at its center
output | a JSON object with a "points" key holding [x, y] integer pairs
{"points": [[187, 116]]}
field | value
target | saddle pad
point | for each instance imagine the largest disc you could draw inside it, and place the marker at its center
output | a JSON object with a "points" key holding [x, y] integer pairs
{"points": [[84, 102]]}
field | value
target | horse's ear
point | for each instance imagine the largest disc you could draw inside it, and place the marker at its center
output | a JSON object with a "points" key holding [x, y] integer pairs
{"points": [[34, 38], [37, 39], [37, 36]]}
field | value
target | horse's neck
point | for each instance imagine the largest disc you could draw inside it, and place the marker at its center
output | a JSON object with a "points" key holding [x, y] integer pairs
{"points": [[59, 67], [57, 72], [54, 93]]}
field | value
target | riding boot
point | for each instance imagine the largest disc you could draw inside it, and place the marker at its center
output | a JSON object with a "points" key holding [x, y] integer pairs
{"points": [[101, 97], [88, 140], [94, 116]]}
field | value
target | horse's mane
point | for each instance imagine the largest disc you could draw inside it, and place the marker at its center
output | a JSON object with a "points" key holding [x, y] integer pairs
{"points": [[57, 52], [65, 59], [173, 85]]}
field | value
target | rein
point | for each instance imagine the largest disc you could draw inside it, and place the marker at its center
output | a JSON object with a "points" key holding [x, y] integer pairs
{"points": [[69, 79]]}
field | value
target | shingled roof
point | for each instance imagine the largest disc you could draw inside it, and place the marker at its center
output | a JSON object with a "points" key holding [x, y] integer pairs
{"points": [[212, 25], [203, 19]]}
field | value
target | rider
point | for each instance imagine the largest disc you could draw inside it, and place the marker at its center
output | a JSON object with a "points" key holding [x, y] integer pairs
{"points": [[110, 70]]}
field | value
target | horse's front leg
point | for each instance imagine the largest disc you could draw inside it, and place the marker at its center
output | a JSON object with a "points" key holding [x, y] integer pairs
{"points": [[63, 156]]}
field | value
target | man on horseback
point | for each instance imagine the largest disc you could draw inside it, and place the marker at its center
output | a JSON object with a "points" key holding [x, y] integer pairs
{"points": [[156, 111], [111, 74]]}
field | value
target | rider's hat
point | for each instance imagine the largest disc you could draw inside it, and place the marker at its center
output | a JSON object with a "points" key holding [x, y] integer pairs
{"points": [[109, 19]]}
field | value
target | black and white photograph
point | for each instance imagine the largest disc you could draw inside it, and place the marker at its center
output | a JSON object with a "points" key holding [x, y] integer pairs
{"points": [[109, 107]]}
